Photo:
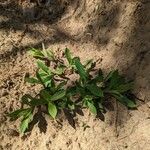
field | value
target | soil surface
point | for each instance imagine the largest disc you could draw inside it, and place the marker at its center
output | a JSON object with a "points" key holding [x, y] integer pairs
{"points": [[115, 31]]}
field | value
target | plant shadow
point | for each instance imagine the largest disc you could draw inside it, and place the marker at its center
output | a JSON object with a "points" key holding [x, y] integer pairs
{"points": [[39, 119], [136, 50], [25, 19], [100, 28], [18, 19]]}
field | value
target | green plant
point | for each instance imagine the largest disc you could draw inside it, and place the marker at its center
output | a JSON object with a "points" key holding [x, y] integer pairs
{"points": [[91, 89]]}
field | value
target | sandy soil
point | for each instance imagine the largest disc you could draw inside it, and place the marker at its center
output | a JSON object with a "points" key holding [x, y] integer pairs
{"points": [[115, 31]]}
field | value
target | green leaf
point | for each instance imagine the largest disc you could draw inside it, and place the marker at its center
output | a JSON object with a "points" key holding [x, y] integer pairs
{"points": [[95, 90], [42, 73], [58, 70], [100, 106], [86, 100], [52, 109], [36, 53], [61, 85], [91, 67], [47, 81], [25, 99], [80, 69], [50, 55], [45, 95], [124, 100], [20, 112], [68, 56], [110, 75], [115, 80], [98, 78], [62, 104], [92, 107], [72, 91], [32, 80], [124, 87], [58, 95], [71, 105], [29, 100], [81, 91], [40, 78], [38, 102], [88, 63], [42, 66], [44, 78], [25, 122]]}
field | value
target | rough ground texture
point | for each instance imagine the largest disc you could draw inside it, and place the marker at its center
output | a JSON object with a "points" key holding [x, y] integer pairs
{"points": [[115, 31]]}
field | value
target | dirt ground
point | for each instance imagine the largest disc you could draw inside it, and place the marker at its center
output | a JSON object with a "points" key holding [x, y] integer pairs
{"points": [[115, 31]]}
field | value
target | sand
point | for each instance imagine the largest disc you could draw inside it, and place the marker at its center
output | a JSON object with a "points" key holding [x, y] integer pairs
{"points": [[115, 31]]}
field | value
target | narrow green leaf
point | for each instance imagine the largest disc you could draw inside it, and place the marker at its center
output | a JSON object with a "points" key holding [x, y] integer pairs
{"points": [[58, 95], [110, 75], [90, 66], [124, 100], [45, 95], [47, 81], [61, 85], [38, 102], [32, 80], [72, 91], [92, 107], [80, 68], [62, 104], [124, 87], [99, 78], [44, 78], [42, 66], [25, 123], [18, 113], [36, 53], [81, 91], [68, 56], [95, 90], [42, 73], [71, 106], [50, 55], [40, 78], [25, 99], [29, 100], [88, 63], [100, 106], [58, 70], [115, 80], [86, 99], [52, 109]]}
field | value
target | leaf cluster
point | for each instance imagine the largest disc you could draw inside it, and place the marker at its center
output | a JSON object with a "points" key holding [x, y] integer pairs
{"points": [[91, 89]]}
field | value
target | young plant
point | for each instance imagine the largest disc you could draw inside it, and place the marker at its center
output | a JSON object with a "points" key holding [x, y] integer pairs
{"points": [[90, 89]]}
